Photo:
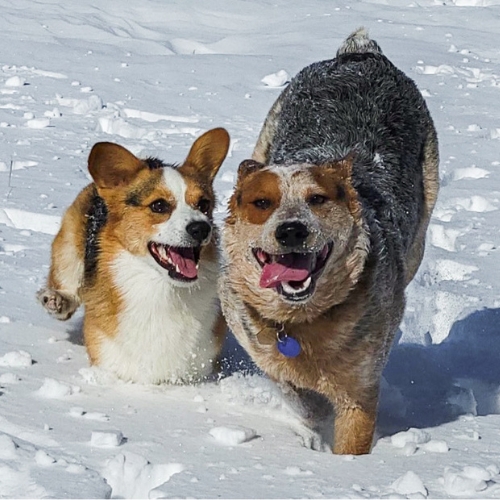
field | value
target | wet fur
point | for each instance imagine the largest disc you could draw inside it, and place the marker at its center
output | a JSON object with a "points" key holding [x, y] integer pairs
{"points": [[365, 124]]}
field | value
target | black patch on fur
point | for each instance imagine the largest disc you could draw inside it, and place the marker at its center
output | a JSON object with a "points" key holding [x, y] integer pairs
{"points": [[133, 200], [136, 197], [340, 193], [97, 216], [154, 163]]}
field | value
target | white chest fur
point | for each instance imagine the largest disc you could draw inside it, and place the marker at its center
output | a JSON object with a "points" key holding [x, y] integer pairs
{"points": [[165, 332]]}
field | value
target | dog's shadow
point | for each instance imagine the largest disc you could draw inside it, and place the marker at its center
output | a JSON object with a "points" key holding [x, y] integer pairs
{"points": [[423, 385], [426, 386], [75, 330], [235, 359]]}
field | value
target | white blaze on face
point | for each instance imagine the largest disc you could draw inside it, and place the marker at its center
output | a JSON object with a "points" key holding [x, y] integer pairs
{"points": [[294, 181], [173, 232]]}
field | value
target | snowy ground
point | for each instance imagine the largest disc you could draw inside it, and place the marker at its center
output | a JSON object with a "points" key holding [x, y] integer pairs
{"points": [[152, 75]]}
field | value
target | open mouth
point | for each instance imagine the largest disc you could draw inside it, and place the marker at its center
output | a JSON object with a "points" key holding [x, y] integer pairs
{"points": [[181, 262], [294, 274]]}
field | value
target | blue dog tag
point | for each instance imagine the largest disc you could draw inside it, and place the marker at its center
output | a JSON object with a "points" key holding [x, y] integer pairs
{"points": [[289, 347]]}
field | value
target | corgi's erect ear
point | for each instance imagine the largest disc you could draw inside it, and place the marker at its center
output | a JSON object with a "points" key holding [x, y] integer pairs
{"points": [[208, 152], [111, 165]]}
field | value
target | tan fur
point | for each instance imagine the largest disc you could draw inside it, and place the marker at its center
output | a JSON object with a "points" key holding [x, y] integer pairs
{"points": [[117, 176], [66, 269], [346, 327], [243, 228], [327, 365], [265, 139], [335, 361], [431, 188]]}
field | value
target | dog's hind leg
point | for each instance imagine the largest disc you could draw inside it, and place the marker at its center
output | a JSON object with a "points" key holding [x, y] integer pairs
{"points": [[430, 164], [61, 295]]}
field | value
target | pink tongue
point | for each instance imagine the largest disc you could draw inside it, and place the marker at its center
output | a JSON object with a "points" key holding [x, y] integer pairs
{"points": [[185, 263], [288, 268]]}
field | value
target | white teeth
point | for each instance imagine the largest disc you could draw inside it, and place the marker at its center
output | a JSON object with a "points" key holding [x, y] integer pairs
{"points": [[290, 290], [163, 252], [197, 265], [177, 270]]}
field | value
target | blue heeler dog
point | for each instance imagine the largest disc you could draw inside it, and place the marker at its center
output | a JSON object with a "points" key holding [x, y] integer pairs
{"points": [[326, 228]]}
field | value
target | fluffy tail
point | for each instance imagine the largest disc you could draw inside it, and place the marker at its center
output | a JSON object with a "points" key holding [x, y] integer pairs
{"points": [[358, 42]]}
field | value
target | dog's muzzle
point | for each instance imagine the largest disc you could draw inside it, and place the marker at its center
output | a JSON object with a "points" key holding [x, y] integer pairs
{"points": [[293, 275], [291, 234]]}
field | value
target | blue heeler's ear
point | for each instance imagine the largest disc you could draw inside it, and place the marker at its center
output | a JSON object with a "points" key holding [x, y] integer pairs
{"points": [[343, 167], [247, 167]]}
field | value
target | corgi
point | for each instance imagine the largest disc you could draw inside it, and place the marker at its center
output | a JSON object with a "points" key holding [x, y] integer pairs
{"points": [[326, 228], [138, 248]]}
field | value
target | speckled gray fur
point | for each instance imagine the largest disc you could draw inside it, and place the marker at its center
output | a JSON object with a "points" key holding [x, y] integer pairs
{"points": [[358, 104], [361, 103]]}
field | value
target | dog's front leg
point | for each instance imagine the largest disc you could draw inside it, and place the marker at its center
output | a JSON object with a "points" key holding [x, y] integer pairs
{"points": [[61, 296], [354, 428], [315, 416]]}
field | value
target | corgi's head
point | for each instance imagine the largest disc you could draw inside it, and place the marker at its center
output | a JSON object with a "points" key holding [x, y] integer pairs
{"points": [[295, 233], [158, 211]]}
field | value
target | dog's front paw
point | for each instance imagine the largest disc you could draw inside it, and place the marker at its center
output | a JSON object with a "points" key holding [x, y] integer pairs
{"points": [[311, 439], [58, 304]]}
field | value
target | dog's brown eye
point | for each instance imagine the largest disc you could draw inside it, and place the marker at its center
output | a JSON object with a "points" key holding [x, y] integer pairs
{"points": [[262, 203], [316, 199], [203, 205], [160, 206]]}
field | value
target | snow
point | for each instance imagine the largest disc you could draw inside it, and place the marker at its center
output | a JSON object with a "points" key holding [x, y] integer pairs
{"points": [[106, 439], [16, 359], [53, 389], [7, 448], [15, 81], [132, 476], [464, 483], [38, 123], [409, 484], [44, 459], [278, 79], [9, 378], [417, 436], [232, 435], [152, 77]]}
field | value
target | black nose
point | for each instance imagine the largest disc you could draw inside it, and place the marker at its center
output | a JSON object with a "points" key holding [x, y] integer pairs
{"points": [[199, 230], [291, 234]]}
